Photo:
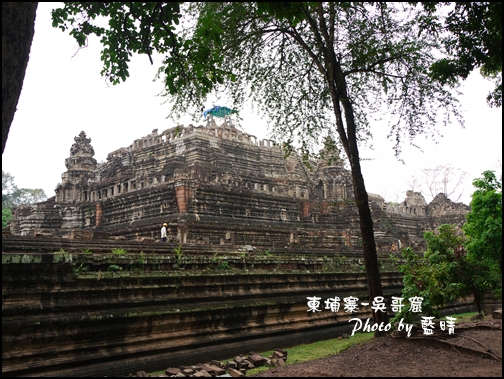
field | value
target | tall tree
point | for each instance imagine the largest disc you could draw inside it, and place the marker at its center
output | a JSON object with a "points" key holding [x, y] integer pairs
{"points": [[483, 226], [319, 71], [18, 21]]}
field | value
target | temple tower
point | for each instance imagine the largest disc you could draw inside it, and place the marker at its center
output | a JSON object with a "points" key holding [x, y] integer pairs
{"points": [[81, 167]]}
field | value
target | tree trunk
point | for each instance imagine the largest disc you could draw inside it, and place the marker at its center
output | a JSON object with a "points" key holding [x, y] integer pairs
{"points": [[339, 93], [18, 21], [366, 221]]}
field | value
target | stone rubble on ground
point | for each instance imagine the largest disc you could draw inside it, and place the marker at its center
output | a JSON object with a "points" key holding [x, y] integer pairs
{"points": [[497, 314], [235, 368]]}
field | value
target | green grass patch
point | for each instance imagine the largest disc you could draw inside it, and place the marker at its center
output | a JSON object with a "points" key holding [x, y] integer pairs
{"points": [[316, 350]]}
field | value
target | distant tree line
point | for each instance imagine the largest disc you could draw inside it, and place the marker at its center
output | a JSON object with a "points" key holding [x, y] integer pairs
{"points": [[12, 196]]}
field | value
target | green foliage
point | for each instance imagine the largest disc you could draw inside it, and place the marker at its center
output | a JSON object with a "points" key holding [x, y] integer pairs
{"points": [[142, 28], [178, 252], [443, 275], [8, 187], [119, 252], [219, 263], [472, 36], [483, 226], [87, 251], [223, 265], [418, 281], [114, 268], [441, 245], [80, 269], [284, 54], [6, 217], [139, 264], [12, 196], [340, 259]]}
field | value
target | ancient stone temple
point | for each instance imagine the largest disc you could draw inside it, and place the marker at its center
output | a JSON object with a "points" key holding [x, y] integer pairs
{"points": [[216, 184], [77, 303]]}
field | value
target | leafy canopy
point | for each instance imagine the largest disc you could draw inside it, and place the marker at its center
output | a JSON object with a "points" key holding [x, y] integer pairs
{"points": [[284, 58], [443, 275], [472, 35], [483, 226], [142, 28]]}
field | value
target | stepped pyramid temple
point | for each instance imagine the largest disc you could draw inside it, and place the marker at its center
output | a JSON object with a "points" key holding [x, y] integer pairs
{"points": [[88, 289], [215, 184]]}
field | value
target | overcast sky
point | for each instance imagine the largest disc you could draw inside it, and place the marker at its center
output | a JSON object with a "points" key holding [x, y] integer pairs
{"points": [[64, 94]]}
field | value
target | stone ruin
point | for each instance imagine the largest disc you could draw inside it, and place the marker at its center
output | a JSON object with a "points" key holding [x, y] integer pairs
{"points": [[236, 368], [218, 185], [70, 307]]}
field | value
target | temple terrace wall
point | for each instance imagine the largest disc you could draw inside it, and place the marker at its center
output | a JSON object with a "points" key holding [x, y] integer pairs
{"points": [[83, 308]]}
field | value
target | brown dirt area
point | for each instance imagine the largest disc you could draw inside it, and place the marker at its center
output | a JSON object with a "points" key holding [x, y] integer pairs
{"points": [[475, 349]]}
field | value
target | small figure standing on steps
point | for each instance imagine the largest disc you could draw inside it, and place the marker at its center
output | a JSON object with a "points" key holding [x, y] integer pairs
{"points": [[164, 237]]}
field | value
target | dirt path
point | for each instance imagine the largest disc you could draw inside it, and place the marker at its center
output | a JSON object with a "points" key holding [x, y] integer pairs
{"points": [[474, 350]]}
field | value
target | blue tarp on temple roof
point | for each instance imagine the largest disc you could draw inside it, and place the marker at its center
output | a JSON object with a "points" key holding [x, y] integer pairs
{"points": [[219, 111]]}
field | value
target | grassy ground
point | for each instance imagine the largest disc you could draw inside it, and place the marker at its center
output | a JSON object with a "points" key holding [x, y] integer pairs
{"points": [[322, 349]]}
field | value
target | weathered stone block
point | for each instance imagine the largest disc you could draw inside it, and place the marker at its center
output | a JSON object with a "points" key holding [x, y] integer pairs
{"points": [[231, 364], [172, 371], [207, 368], [235, 373], [146, 239], [257, 360], [278, 355], [188, 371], [282, 351], [216, 370], [202, 374], [216, 363], [239, 359]]}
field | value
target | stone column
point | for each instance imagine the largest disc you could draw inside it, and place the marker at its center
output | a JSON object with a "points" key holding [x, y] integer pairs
{"points": [[306, 209], [99, 213], [182, 232], [183, 195]]}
